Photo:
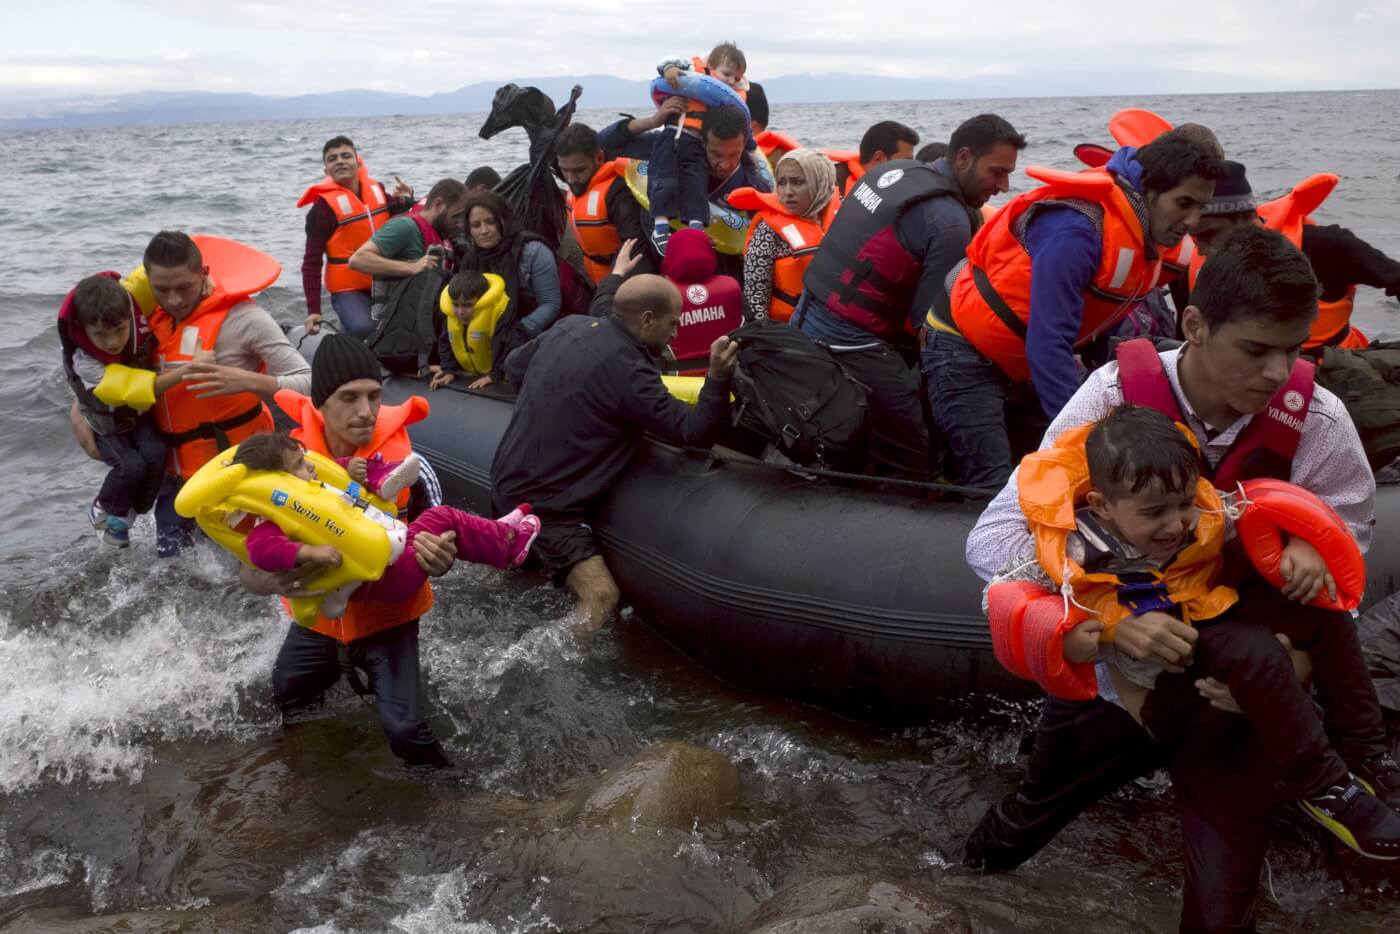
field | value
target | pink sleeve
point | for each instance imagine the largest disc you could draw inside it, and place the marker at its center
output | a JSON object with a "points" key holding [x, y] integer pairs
{"points": [[269, 548]]}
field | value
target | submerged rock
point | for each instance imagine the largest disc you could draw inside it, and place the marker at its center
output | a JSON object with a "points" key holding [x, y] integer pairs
{"points": [[853, 905], [670, 785]]}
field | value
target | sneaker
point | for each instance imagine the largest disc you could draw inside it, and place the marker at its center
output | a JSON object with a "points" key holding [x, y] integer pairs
{"points": [[398, 477], [116, 532], [696, 225], [1357, 818], [97, 516], [660, 236], [513, 517], [525, 532], [334, 604], [1380, 775]]}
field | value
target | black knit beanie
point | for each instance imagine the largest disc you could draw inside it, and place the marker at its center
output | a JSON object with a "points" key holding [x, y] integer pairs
{"points": [[1232, 193], [340, 359]]}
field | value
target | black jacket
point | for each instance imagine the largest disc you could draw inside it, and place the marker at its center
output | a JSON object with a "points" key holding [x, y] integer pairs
{"points": [[589, 391]]}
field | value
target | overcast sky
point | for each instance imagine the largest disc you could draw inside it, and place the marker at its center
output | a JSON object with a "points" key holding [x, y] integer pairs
{"points": [[79, 47]]}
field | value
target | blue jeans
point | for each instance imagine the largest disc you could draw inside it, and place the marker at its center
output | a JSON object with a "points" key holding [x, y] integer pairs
{"points": [[137, 459], [987, 421], [309, 663], [352, 308]]}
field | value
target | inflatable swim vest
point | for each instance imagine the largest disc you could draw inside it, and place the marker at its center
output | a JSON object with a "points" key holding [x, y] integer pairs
{"points": [[728, 228], [1273, 507], [331, 510]]}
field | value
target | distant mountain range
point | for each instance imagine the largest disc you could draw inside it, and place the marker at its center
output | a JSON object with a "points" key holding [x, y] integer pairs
{"points": [[599, 91]]}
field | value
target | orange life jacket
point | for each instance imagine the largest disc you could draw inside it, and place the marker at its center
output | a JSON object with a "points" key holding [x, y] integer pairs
{"points": [[596, 233], [1052, 481], [356, 219], [802, 235], [363, 618], [850, 161], [196, 429], [694, 109], [775, 145], [991, 295]]}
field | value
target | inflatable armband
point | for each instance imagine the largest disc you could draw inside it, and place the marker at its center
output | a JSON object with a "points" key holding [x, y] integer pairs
{"points": [[236, 267], [125, 385], [221, 497], [1274, 507], [728, 228], [1028, 634]]}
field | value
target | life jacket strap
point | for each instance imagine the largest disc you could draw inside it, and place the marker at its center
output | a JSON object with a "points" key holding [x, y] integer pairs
{"points": [[214, 431], [997, 304]]}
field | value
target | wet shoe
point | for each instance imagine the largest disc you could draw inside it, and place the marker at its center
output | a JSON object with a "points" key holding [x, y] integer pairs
{"points": [[1358, 819], [525, 532], [97, 516], [660, 236], [334, 604], [1380, 775], [116, 532], [399, 477], [513, 517]]}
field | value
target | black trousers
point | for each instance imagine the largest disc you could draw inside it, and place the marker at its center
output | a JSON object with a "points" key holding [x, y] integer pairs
{"points": [[137, 459], [308, 664], [1227, 783], [899, 440]]}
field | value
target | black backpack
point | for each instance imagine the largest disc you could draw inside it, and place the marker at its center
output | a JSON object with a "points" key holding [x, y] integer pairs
{"points": [[406, 339], [792, 392], [1368, 383]]}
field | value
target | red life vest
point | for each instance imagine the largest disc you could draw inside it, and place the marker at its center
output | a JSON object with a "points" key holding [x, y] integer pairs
{"points": [[196, 429], [863, 273], [802, 235], [356, 219], [390, 439], [1266, 446], [991, 296], [709, 310], [595, 232]]}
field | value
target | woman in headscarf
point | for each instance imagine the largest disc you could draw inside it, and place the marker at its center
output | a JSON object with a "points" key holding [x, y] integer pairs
{"points": [[785, 232], [527, 264]]}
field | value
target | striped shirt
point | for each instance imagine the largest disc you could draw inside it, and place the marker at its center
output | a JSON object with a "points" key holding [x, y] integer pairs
{"points": [[1330, 462]]}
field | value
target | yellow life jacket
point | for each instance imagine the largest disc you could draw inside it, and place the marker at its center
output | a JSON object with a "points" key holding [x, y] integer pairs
{"points": [[472, 345], [223, 497]]}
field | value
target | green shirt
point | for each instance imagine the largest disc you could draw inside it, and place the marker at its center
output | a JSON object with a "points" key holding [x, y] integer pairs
{"points": [[400, 239]]}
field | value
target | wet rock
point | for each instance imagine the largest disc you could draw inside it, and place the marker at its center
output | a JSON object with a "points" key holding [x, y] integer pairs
{"points": [[670, 785], [851, 904]]}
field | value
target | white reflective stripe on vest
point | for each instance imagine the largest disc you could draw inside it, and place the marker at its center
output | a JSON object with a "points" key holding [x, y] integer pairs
{"points": [[189, 341], [793, 236], [1125, 266], [378, 194], [1188, 252], [344, 202], [592, 208]]}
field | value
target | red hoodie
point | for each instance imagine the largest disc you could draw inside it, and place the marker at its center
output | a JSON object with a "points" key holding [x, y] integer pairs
{"points": [[711, 305]]}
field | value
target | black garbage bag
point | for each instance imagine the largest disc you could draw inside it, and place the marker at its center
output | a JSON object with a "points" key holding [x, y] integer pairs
{"points": [[531, 189], [1379, 630]]}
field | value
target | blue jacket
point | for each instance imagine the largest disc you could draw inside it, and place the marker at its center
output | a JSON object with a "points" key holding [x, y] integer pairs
{"points": [[1065, 250]]}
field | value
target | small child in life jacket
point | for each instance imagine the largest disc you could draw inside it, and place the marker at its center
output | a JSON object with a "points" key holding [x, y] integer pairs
{"points": [[678, 172], [108, 358], [502, 543], [1124, 526], [465, 348]]}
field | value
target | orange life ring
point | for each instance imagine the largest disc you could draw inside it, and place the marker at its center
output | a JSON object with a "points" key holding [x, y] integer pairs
{"points": [[1274, 507], [1028, 635]]}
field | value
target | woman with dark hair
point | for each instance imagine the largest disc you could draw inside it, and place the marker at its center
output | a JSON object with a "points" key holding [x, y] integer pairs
{"points": [[527, 264]]}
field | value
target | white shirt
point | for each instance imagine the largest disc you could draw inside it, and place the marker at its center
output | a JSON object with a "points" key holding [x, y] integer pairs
{"points": [[1329, 462]]}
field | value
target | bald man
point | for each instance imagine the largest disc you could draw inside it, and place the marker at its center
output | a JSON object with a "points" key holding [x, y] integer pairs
{"points": [[590, 388]]}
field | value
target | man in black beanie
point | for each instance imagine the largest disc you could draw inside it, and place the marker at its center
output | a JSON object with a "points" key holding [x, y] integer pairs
{"points": [[1341, 260], [343, 418]]}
